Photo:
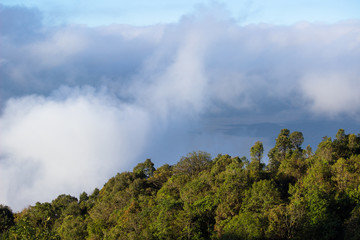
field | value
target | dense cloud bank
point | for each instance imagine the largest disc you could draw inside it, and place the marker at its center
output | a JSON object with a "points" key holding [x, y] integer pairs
{"points": [[52, 145], [80, 103]]}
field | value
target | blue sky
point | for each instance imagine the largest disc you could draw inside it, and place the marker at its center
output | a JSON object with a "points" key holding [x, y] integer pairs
{"points": [[91, 88], [142, 12]]}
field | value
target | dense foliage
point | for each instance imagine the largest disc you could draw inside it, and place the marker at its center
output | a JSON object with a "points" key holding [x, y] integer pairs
{"points": [[297, 195]]}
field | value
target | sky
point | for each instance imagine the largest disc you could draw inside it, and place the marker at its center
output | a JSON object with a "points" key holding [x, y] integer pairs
{"points": [[89, 88]]}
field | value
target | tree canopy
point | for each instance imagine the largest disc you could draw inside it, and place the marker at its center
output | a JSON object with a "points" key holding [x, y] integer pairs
{"points": [[298, 194]]}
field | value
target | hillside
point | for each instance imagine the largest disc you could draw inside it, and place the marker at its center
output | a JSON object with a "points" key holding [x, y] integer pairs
{"points": [[299, 194]]}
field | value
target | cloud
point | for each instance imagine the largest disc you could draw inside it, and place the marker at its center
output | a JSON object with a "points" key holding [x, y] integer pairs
{"points": [[332, 94], [66, 145], [20, 23], [70, 55], [204, 61]]}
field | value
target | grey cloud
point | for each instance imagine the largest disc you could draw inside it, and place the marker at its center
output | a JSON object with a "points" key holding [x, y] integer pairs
{"points": [[19, 23], [74, 55], [203, 60]]}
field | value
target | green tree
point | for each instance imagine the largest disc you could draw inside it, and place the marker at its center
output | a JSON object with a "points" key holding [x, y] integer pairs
{"points": [[325, 149], [83, 197], [352, 225], [279, 152], [199, 205], [296, 139], [256, 166], [229, 187], [340, 135], [322, 219], [193, 163], [293, 167], [6, 219], [161, 175], [73, 227], [61, 203], [253, 219], [35, 222], [354, 144], [145, 169], [23, 230], [257, 151]]}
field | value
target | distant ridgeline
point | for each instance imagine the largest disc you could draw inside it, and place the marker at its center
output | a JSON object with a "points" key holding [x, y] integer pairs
{"points": [[298, 195]]}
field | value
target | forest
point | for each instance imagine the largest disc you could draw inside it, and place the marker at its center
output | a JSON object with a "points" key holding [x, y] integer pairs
{"points": [[298, 194]]}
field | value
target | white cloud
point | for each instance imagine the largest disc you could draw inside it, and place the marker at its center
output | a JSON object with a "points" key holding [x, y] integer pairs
{"points": [[60, 47], [332, 94], [50, 146]]}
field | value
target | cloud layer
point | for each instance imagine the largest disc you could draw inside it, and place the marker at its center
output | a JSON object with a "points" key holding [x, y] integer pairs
{"points": [[156, 91], [70, 145]]}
